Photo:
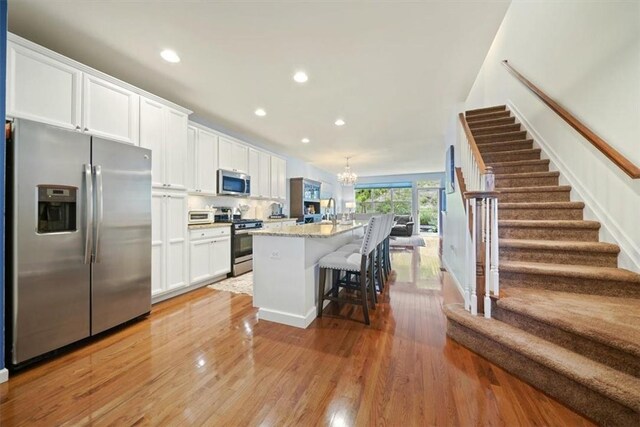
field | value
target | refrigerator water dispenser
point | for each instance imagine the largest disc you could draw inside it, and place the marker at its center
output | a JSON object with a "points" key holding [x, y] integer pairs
{"points": [[56, 209]]}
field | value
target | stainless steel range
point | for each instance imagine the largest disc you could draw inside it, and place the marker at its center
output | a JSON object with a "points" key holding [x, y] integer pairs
{"points": [[241, 241]]}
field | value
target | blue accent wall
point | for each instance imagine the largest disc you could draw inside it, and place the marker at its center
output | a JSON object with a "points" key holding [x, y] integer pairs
{"points": [[3, 79]]}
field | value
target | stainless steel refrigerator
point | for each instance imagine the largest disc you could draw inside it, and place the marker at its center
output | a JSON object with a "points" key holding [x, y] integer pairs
{"points": [[79, 223]]}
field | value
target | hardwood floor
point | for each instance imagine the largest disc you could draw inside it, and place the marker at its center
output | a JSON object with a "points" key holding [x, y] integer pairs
{"points": [[204, 359]]}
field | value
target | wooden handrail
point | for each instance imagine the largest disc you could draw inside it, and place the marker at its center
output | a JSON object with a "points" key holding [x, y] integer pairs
{"points": [[472, 143], [614, 155]]}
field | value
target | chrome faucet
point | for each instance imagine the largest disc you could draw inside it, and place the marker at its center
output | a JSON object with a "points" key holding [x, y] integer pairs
{"points": [[335, 214]]}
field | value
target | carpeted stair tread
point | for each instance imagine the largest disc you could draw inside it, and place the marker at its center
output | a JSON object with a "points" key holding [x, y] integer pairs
{"points": [[612, 321], [551, 224], [569, 270], [616, 385], [488, 116], [549, 188], [490, 130], [496, 147], [501, 137], [491, 122], [560, 245], [519, 163], [527, 175], [484, 110], [542, 205]]}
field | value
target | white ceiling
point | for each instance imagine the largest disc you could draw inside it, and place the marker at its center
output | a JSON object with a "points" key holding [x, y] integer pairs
{"points": [[395, 71]]}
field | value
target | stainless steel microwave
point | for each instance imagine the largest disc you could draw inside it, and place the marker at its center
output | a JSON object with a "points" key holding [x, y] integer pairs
{"points": [[233, 183]]}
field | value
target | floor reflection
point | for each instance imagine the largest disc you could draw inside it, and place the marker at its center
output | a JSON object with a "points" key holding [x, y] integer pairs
{"points": [[418, 268]]}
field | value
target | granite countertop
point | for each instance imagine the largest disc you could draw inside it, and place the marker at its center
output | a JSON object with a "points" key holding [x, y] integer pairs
{"points": [[279, 219], [209, 225], [314, 230]]}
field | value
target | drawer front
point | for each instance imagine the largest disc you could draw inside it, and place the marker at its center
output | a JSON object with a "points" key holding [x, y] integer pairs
{"points": [[208, 233]]}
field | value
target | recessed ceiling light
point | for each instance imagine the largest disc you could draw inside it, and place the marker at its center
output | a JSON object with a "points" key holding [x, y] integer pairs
{"points": [[340, 122], [305, 140], [300, 77], [170, 56], [260, 112]]}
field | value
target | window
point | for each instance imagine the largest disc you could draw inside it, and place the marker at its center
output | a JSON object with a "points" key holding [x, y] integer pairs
{"points": [[381, 199]]}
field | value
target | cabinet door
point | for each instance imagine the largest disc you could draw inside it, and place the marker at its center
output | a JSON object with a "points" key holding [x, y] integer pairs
{"points": [[207, 160], [254, 172], [191, 177], [221, 256], [275, 166], [225, 154], [110, 111], [158, 227], [264, 180], [42, 89], [175, 154], [200, 260], [152, 137], [176, 238], [240, 156], [282, 179]]}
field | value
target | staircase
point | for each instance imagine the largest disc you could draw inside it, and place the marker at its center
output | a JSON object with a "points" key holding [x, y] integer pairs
{"points": [[567, 320]]}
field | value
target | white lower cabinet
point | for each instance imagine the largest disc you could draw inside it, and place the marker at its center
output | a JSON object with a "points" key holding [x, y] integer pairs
{"points": [[210, 253], [168, 242]]}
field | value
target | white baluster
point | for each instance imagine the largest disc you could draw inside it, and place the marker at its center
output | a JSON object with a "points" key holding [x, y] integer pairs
{"points": [[487, 252], [495, 254], [474, 236], [467, 256]]}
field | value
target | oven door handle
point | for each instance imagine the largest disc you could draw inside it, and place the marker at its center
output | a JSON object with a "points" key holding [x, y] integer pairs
{"points": [[245, 231]]}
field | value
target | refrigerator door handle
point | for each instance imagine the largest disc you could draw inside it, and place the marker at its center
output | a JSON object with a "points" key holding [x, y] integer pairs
{"points": [[88, 185], [99, 209]]}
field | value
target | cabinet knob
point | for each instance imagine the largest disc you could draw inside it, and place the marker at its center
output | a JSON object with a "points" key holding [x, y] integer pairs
{"points": [[78, 127], [86, 129]]}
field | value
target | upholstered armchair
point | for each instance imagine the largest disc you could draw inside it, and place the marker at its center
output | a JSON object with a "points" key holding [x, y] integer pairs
{"points": [[403, 226]]}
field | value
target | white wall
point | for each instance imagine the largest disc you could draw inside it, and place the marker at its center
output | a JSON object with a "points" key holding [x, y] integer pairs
{"points": [[585, 55], [454, 225]]}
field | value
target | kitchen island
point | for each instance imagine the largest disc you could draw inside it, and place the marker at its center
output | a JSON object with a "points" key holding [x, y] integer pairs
{"points": [[285, 268]]}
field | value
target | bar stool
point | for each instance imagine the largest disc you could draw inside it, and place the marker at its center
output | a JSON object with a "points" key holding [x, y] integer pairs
{"points": [[346, 265], [380, 256]]}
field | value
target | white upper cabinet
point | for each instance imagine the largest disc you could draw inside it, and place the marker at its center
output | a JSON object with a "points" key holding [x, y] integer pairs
{"points": [[264, 178], [278, 178], [152, 137], [176, 148], [192, 169], [164, 131], [260, 172], [49, 88], [254, 172], [207, 160], [110, 111], [240, 156], [42, 89], [233, 156]]}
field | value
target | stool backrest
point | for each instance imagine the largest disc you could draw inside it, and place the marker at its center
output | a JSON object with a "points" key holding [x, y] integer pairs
{"points": [[389, 225], [369, 242]]}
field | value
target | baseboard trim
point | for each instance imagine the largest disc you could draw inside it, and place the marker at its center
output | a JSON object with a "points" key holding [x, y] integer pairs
{"points": [[171, 294], [289, 319], [453, 277], [627, 247], [4, 375]]}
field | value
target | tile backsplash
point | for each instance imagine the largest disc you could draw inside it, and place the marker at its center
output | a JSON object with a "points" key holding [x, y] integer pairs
{"points": [[260, 209]]}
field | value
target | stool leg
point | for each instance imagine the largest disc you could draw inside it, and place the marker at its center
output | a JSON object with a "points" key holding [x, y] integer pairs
{"points": [[321, 284], [363, 288], [380, 269], [335, 277], [372, 281]]}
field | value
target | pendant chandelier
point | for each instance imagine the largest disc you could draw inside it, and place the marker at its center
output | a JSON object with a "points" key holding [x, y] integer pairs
{"points": [[347, 178]]}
